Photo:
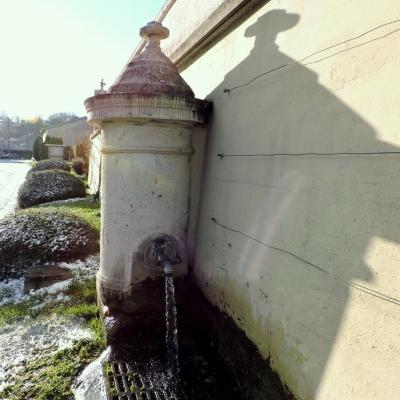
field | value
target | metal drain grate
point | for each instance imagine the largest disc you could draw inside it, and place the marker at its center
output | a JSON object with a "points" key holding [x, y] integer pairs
{"points": [[124, 382]]}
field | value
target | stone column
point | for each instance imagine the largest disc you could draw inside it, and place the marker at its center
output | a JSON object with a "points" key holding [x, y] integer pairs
{"points": [[146, 120]]}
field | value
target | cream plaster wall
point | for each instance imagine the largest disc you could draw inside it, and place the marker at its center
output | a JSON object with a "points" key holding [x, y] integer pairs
{"points": [[303, 251]]}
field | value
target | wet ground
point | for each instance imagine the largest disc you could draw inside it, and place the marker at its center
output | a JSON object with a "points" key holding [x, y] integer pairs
{"points": [[216, 360], [12, 175]]}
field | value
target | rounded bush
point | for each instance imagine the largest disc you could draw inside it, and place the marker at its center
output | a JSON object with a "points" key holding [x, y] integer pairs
{"points": [[50, 164], [79, 166], [40, 235], [45, 186]]}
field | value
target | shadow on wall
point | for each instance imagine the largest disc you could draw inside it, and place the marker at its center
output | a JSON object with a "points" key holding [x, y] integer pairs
{"points": [[289, 211]]}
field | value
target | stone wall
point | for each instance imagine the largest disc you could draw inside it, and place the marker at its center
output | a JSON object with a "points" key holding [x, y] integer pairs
{"points": [[298, 236], [95, 163], [72, 132]]}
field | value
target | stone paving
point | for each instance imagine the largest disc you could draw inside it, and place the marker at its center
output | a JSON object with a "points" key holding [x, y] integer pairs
{"points": [[12, 175]]}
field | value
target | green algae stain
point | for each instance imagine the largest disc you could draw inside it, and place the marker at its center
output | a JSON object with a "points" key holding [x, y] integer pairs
{"points": [[269, 336], [288, 361]]}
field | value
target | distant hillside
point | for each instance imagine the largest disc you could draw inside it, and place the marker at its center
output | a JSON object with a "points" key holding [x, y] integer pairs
{"points": [[19, 134]]}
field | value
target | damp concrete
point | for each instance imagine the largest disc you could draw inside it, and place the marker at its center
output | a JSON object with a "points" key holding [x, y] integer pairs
{"points": [[216, 359]]}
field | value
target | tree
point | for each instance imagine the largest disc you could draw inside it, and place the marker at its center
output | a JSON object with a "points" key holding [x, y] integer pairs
{"points": [[40, 150], [59, 118], [37, 145]]}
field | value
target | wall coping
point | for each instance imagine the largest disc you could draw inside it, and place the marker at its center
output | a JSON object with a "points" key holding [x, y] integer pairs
{"points": [[212, 29]]}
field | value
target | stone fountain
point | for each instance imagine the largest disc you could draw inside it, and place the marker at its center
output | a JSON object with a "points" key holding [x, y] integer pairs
{"points": [[146, 120]]}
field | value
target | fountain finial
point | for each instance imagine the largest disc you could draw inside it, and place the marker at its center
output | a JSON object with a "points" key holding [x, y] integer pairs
{"points": [[154, 32], [151, 72]]}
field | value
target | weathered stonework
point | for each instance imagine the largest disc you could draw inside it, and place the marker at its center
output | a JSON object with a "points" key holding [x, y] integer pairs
{"points": [[146, 122], [151, 72]]}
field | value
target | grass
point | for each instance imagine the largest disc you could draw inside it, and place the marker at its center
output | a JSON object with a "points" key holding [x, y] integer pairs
{"points": [[83, 303], [84, 177], [85, 291], [88, 209], [78, 310], [12, 312], [52, 377]]}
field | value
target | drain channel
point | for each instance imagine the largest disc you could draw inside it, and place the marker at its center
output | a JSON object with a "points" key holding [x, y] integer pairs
{"points": [[124, 382]]}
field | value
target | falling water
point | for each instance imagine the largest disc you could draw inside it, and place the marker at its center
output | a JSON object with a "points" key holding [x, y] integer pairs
{"points": [[171, 336]]}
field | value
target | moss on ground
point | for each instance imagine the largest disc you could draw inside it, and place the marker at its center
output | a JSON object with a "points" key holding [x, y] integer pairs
{"points": [[52, 377]]}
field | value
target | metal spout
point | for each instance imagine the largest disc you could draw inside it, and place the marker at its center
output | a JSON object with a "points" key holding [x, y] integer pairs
{"points": [[164, 252], [168, 270]]}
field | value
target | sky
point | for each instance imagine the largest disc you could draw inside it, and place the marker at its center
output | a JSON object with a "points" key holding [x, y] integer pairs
{"points": [[53, 53]]}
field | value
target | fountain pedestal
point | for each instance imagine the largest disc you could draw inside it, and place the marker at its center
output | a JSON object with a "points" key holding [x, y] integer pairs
{"points": [[146, 119]]}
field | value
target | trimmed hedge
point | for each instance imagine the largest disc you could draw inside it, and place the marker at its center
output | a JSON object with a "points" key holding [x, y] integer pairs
{"points": [[45, 165], [40, 235], [44, 186], [79, 166]]}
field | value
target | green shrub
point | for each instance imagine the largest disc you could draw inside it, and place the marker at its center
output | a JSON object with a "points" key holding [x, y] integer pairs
{"points": [[44, 150], [50, 164], [36, 147], [79, 166], [82, 150], [44, 186], [42, 235]]}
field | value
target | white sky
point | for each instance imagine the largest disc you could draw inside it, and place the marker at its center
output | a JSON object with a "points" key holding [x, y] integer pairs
{"points": [[53, 53]]}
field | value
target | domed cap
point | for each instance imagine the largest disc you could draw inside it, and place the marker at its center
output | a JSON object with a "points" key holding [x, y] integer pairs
{"points": [[151, 72]]}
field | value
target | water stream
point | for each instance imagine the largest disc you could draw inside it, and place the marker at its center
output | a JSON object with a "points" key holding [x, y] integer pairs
{"points": [[171, 335]]}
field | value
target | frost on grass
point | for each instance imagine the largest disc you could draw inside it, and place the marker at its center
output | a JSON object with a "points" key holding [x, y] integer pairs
{"points": [[41, 332], [31, 338], [36, 236], [12, 290], [44, 186]]}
